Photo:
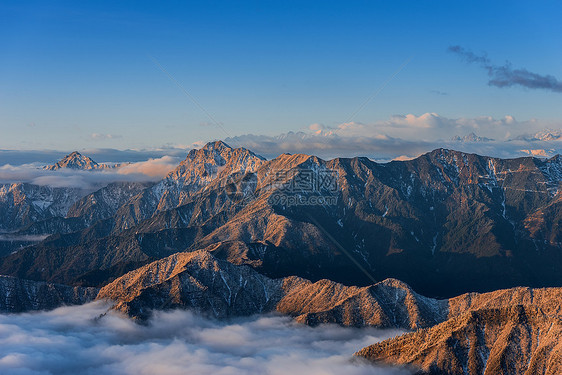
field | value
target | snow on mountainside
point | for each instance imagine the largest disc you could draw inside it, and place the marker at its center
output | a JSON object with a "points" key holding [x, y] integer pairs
{"points": [[543, 135], [446, 222], [75, 160], [22, 204], [17, 295], [103, 203], [515, 340], [215, 160], [203, 283], [99, 205], [200, 167]]}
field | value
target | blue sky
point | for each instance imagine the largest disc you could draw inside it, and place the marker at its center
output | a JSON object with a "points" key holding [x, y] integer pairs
{"points": [[77, 75]]}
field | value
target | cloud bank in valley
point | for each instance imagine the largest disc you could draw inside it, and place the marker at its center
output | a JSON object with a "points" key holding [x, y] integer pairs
{"points": [[70, 340]]}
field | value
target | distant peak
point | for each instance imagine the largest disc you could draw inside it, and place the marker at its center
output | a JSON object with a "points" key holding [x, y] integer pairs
{"points": [[216, 145], [76, 160], [542, 135], [472, 137]]}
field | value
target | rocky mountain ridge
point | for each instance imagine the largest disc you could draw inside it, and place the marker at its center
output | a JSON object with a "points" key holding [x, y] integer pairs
{"points": [[17, 295], [204, 283], [518, 339], [23, 204], [513, 331], [467, 222], [215, 161], [229, 233]]}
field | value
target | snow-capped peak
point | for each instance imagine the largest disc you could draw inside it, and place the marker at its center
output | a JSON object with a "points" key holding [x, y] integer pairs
{"points": [[542, 135], [470, 138], [75, 160]]}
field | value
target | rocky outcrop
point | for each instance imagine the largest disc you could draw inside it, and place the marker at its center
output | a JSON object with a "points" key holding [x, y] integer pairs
{"points": [[194, 280], [511, 331], [514, 340]]}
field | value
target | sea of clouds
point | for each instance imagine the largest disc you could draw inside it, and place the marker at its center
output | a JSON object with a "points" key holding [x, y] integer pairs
{"points": [[79, 340]]}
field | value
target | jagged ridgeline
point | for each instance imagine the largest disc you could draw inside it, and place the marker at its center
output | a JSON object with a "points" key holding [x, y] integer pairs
{"points": [[446, 222]]}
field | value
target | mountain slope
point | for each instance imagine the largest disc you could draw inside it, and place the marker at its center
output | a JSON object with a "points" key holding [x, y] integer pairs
{"points": [[215, 160], [99, 205], [22, 204], [18, 295], [460, 218], [512, 340], [203, 283]]}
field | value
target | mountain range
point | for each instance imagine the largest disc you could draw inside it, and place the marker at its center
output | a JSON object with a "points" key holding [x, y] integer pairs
{"points": [[470, 138], [229, 233], [446, 222]]}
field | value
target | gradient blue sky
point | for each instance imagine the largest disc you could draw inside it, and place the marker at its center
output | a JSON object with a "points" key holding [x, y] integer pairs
{"points": [[78, 74]]}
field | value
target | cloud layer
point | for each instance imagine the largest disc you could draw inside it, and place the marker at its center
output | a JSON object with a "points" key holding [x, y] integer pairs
{"points": [[506, 76], [100, 155], [407, 136], [399, 137], [73, 340], [150, 170]]}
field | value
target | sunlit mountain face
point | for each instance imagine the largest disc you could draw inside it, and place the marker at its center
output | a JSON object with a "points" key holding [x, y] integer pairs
{"points": [[262, 188]]}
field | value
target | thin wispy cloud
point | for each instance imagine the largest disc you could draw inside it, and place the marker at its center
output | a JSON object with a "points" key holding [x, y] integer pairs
{"points": [[75, 340], [104, 137], [507, 76]]}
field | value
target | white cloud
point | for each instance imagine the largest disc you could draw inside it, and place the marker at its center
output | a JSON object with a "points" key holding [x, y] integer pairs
{"points": [[150, 170], [76, 340], [406, 136], [153, 167], [432, 126], [537, 152], [403, 136]]}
